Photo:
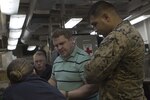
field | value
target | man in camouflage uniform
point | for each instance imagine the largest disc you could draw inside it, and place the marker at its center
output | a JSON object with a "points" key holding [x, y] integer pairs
{"points": [[117, 65]]}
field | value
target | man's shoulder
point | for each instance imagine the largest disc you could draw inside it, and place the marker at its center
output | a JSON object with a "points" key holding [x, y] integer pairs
{"points": [[82, 56], [58, 59], [81, 52]]}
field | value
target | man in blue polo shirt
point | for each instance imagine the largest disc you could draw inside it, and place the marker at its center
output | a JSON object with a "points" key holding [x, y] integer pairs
{"points": [[67, 72]]}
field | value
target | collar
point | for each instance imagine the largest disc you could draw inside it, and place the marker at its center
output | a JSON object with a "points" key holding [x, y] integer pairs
{"points": [[126, 22], [72, 54]]}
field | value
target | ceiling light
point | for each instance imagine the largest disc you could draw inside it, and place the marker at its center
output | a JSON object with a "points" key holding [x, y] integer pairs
{"points": [[31, 48], [100, 35], [12, 41], [72, 22], [16, 21], [11, 47], [93, 33], [9, 6], [15, 33], [139, 19]]}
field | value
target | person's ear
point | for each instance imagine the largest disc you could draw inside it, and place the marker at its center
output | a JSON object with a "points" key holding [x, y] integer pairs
{"points": [[106, 17]]}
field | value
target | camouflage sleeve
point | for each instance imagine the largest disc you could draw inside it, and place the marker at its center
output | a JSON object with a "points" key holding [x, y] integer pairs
{"points": [[106, 58], [81, 69]]}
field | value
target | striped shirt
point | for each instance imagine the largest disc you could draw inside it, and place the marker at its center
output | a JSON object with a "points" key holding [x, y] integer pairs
{"points": [[69, 73]]}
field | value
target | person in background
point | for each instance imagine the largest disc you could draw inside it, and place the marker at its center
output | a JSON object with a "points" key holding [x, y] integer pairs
{"points": [[54, 55], [117, 65], [40, 64], [24, 85], [67, 72]]}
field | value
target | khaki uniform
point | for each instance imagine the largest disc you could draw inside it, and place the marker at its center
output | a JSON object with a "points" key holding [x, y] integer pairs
{"points": [[117, 65]]}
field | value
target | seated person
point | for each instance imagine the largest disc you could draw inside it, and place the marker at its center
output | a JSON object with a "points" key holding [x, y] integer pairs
{"points": [[40, 64], [24, 85]]}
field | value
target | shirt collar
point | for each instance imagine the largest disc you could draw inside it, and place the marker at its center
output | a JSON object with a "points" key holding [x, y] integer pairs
{"points": [[72, 54]]}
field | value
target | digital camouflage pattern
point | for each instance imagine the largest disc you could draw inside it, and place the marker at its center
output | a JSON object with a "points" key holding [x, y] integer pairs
{"points": [[117, 65]]}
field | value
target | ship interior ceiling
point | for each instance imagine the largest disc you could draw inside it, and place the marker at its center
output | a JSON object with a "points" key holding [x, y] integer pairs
{"points": [[44, 16]]}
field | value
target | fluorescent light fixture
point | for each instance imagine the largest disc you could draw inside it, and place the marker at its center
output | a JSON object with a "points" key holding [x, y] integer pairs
{"points": [[100, 35], [9, 6], [16, 21], [11, 47], [93, 33], [15, 33], [139, 19], [31, 48], [128, 17], [12, 41], [72, 22]]}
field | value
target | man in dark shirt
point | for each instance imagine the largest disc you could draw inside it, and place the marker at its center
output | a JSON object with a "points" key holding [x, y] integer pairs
{"points": [[40, 63]]}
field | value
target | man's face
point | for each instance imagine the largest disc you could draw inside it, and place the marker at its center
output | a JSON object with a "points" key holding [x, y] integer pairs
{"points": [[100, 24], [40, 62], [63, 45]]}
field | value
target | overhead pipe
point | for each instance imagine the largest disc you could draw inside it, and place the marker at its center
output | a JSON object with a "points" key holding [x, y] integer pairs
{"points": [[30, 29], [31, 10], [139, 11], [32, 24], [26, 32], [62, 13]]}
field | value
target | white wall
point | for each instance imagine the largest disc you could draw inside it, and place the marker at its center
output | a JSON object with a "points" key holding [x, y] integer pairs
{"points": [[141, 27], [87, 41], [148, 30], [144, 29]]}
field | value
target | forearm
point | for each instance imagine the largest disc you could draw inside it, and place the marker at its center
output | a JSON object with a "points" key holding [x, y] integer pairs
{"points": [[52, 82], [98, 69], [82, 92]]}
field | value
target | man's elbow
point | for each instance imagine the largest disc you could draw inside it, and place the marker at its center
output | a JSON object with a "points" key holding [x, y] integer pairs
{"points": [[93, 78]]}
